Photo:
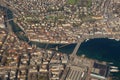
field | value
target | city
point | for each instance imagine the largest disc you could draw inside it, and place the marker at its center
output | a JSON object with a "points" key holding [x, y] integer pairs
{"points": [[58, 22], [64, 23]]}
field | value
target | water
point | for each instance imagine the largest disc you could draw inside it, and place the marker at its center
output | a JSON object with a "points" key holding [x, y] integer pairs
{"points": [[102, 49]]}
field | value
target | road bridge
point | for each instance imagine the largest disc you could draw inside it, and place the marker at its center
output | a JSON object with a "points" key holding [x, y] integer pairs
{"points": [[76, 49], [85, 37], [8, 20], [3, 4], [7, 5]]}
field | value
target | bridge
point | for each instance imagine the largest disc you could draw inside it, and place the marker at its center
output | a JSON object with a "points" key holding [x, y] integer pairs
{"points": [[7, 5], [76, 49], [85, 37], [8, 20]]}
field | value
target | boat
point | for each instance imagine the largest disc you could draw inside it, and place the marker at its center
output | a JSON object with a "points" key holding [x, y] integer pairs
{"points": [[111, 63], [86, 40], [117, 39], [114, 70], [113, 67], [111, 38]]}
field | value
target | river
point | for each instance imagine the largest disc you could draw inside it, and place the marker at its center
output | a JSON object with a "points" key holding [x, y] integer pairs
{"points": [[102, 49]]}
